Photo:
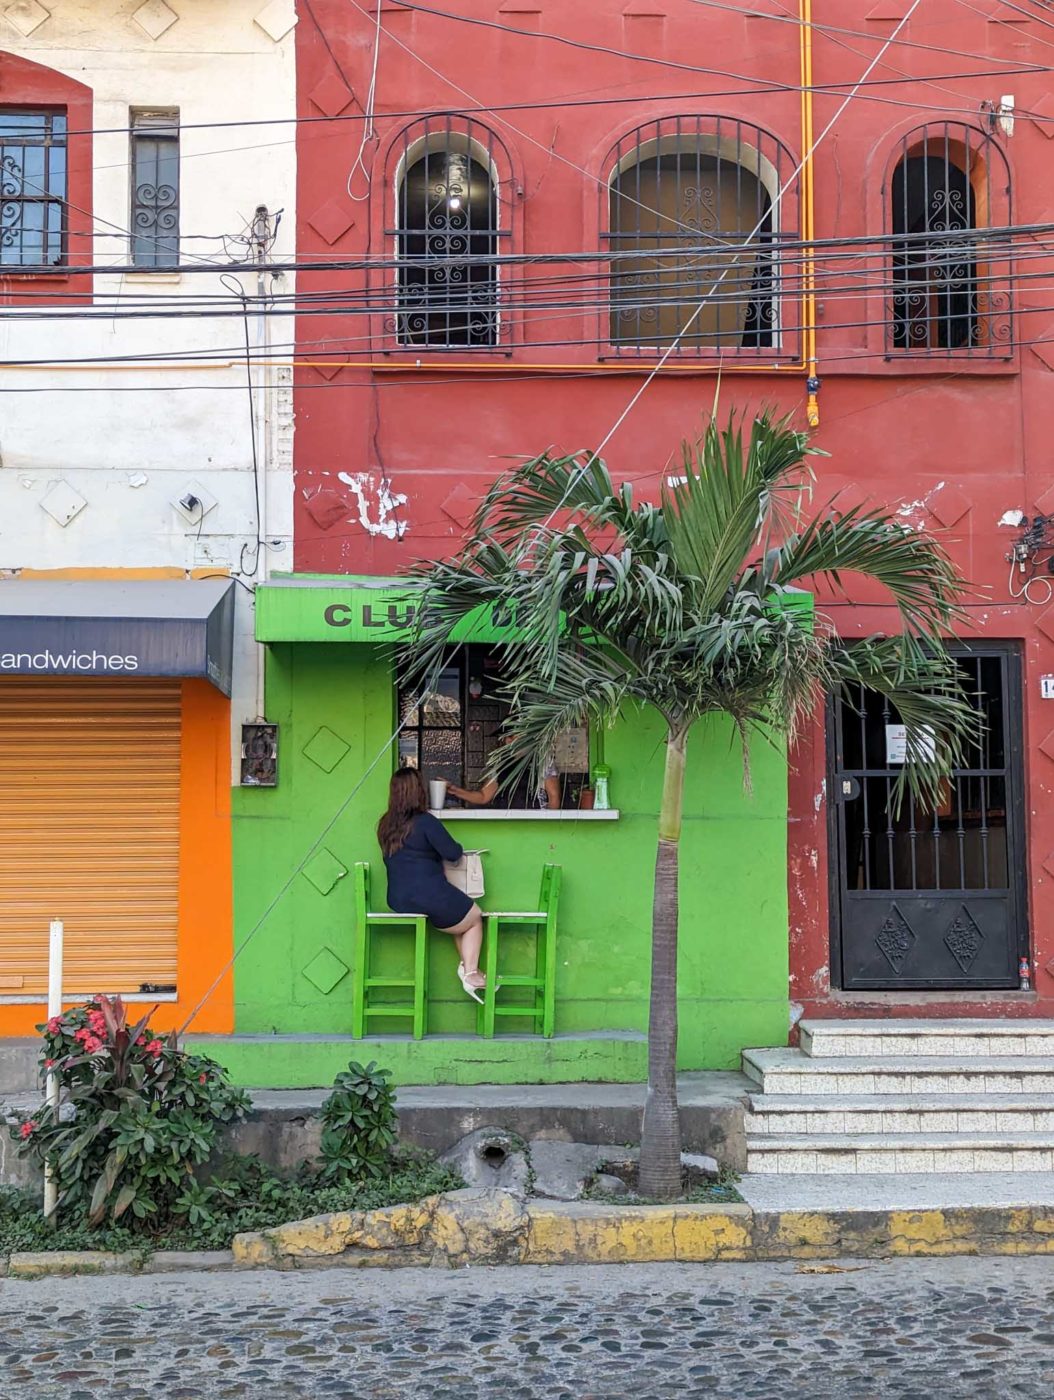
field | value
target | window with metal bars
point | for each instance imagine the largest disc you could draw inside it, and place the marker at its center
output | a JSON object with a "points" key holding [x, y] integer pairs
{"points": [[948, 291], [447, 235], [695, 215], [32, 189], [155, 189]]}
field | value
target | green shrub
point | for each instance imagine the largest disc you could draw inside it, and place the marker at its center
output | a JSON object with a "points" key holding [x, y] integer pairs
{"points": [[137, 1115], [358, 1125]]}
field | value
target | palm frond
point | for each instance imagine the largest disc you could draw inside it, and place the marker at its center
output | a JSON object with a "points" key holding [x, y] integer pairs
{"points": [[912, 567], [718, 511]]}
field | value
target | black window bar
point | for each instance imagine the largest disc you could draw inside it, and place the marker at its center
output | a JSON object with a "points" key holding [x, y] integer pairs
{"points": [[947, 293], [155, 189], [447, 236], [695, 220], [32, 189]]}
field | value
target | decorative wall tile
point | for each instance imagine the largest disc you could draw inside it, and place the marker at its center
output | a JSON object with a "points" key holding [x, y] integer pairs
{"points": [[949, 505], [461, 504], [333, 219], [1041, 114], [325, 971], [331, 95], [1045, 503], [324, 871], [325, 749], [277, 19], [326, 507], [26, 16], [63, 503], [155, 17]]}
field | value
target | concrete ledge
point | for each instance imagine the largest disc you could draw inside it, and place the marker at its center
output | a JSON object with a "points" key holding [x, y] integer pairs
{"points": [[312, 1061], [474, 1227]]}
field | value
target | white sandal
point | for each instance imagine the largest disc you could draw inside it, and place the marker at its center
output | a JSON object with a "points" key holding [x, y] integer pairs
{"points": [[463, 976]]}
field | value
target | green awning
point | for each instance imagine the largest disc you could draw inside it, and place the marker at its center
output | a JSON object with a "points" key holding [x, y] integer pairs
{"points": [[328, 608], [335, 608]]}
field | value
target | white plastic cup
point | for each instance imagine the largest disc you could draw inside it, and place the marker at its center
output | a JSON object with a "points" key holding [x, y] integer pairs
{"points": [[437, 794]]}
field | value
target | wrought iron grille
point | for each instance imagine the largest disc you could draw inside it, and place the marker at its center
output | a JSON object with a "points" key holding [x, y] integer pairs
{"points": [[694, 224], [155, 189], [960, 843], [948, 292], [32, 189], [447, 235]]}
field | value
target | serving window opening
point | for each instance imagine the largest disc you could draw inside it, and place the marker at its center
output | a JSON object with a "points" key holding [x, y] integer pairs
{"points": [[451, 734]]}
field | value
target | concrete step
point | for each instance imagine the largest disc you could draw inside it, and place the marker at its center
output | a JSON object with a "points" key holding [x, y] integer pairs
{"points": [[791, 1071], [821, 1115], [963, 1038], [867, 1153]]}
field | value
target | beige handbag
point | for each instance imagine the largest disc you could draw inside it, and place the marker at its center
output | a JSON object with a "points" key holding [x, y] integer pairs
{"points": [[466, 874]]}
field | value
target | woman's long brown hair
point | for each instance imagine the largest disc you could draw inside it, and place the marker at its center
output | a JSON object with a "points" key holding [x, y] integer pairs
{"points": [[407, 795]]}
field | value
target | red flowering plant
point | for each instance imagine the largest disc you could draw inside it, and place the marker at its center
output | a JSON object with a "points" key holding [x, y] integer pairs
{"points": [[137, 1115]]}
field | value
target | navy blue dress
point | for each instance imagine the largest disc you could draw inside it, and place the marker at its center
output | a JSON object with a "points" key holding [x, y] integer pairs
{"points": [[417, 883]]}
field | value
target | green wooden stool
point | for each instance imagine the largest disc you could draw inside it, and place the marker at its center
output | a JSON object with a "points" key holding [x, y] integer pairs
{"points": [[542, 1006], [366, 921]]}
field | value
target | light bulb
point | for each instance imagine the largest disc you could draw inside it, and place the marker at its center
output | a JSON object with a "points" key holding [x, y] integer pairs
{"points": [[454, 202]]}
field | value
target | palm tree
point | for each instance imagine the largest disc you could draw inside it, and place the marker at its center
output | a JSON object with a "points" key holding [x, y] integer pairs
{"points": [[683, 607]]}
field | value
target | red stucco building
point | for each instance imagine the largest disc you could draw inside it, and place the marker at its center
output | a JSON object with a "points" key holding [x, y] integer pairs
{"points": [[514, 209]]}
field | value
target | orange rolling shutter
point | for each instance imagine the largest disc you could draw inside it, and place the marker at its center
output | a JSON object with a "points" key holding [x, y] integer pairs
{"points": [[89, 831]]}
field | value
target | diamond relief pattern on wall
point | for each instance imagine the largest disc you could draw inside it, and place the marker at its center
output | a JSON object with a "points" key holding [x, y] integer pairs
{"points": [[325, 749], [1046, 747], [1045, 503], [63, 503], [155, 17], [331, 95], [332, 220], [1045, 623], [276, 19], [949, 505], [1048, 864], [1041, 114], [26, 16], [324, 871], [963, 939], [895, 939], [325, 971]]}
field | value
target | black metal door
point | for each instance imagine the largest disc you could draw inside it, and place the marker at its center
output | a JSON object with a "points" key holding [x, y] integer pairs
{"points": [[930, 898]]}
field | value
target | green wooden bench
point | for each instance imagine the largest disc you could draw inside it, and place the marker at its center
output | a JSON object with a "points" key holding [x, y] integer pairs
{"points": [[414, 1004], [542, 1005]]}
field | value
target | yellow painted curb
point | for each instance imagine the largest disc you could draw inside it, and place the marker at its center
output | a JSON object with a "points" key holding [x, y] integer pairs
{"points": [[473, 1227]]}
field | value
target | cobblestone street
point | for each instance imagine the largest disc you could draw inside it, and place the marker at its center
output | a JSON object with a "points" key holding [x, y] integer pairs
{"points": [[954, 1327]]}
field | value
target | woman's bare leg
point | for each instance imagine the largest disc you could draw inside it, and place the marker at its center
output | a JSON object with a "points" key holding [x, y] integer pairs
{"points": [[468, 938]]}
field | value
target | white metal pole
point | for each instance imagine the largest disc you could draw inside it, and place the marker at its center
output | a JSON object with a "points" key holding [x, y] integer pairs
{"points": [[261, 235], [51, 1190]]}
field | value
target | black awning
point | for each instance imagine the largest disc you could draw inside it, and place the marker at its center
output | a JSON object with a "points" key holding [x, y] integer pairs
{"points": [[158, 627]]}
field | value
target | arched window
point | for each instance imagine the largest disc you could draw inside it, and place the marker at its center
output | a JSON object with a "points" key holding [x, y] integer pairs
{"points": [[447, 237], [695, 216], [945, 295]]}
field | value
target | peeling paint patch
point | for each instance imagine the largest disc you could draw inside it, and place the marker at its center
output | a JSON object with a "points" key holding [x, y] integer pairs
{"points": [[368, 490], [1013, 518]]}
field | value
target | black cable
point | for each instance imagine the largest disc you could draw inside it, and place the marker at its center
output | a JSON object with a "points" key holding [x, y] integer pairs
{"points": [[252, 438]]}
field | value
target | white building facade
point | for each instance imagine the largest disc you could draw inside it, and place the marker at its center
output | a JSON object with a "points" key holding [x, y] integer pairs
{"points": [[148, 179]]}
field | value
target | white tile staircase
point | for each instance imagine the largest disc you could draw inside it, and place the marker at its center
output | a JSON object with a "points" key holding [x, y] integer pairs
{"points": [[870, 1097]]}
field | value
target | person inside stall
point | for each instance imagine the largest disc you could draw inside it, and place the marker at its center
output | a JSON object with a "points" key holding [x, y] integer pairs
{"points": [[547, 794]]}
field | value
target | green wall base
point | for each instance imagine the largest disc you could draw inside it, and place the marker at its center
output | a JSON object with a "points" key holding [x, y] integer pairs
{"points": [[313, 1061]]}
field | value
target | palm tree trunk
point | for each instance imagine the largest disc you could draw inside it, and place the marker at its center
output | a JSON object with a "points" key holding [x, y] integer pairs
{"points": [[660, 1142]]}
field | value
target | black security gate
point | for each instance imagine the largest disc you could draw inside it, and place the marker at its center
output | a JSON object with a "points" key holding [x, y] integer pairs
{"points": [[929, 897]]}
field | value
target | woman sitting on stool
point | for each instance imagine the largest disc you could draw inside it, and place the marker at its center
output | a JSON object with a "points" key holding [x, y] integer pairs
{"points": [[415, 845]]}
